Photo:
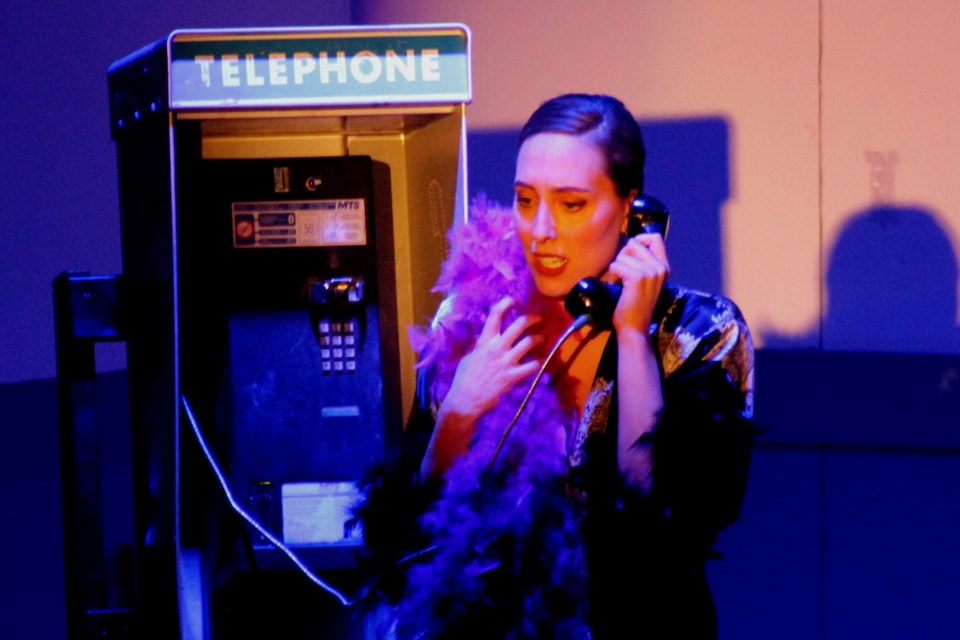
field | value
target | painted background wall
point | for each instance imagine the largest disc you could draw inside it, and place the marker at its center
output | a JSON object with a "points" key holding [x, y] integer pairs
{"points": [[828, 125], [807, 152]]}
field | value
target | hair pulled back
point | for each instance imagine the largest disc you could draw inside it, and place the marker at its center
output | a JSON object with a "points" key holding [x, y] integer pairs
{"points": [[605, 122]]}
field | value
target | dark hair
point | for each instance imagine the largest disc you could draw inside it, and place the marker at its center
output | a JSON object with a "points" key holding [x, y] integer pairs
{"points": [[606, 122]]}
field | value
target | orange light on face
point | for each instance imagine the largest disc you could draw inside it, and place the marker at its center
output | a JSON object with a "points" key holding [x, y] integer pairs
{"points": [[567, 211]]}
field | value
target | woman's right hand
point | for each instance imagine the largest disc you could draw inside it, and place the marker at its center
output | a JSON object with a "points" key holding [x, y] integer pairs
{"points": [[497, 363]]}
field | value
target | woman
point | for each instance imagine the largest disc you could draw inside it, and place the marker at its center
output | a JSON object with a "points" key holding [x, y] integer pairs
{"points": [[594, 515]]}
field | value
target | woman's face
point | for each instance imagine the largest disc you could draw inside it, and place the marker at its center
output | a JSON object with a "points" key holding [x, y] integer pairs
{"points": [[567, 211]]}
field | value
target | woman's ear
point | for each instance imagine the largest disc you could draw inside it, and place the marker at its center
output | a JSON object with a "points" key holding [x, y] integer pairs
{"points": [[628, 205]]}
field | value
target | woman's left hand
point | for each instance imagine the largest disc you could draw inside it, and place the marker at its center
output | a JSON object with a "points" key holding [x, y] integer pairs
{"points": [[642, 267]]}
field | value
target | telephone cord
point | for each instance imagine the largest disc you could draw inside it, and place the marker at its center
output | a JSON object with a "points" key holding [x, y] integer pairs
{"points": [[578, 323], [221, 478]]}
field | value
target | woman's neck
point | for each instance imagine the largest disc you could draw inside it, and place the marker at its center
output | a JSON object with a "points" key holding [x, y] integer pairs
{"points": [[577, 358]]}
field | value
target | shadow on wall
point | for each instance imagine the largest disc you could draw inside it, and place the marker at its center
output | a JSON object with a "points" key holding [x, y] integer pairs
{"points": [[687, 168], [891, 287]]}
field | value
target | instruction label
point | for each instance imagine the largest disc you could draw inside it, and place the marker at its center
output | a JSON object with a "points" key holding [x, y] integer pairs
{"points": [[300, 223], [317, 513]]}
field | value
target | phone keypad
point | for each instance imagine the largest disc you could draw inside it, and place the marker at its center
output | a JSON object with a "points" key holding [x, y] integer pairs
{"points": [[338, 346]]}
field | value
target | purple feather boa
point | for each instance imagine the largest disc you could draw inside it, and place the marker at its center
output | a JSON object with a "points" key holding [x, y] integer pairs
{"points": [[508, 559]]}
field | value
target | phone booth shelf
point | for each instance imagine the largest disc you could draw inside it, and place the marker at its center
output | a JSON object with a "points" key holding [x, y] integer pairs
{"points": [[259, 171]]}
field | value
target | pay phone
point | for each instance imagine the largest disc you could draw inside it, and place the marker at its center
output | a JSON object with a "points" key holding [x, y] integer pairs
{"points": [[283, 197], [289, 330]]}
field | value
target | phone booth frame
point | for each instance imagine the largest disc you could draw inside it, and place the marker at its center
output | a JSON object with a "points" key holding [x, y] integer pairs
{"points": [[395, 94]]}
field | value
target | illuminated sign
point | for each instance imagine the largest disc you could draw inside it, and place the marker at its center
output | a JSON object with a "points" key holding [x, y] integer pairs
{"points": [[323, 67]]}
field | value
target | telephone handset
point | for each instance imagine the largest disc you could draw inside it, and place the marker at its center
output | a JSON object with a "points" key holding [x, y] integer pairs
{"points": [[595, 299], [592, 301]]}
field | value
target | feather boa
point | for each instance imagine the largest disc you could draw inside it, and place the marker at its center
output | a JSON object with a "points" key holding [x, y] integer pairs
{"points": [[508, 559]]}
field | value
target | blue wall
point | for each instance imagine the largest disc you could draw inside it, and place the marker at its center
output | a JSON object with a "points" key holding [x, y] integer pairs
{"points": [[851, 518]]}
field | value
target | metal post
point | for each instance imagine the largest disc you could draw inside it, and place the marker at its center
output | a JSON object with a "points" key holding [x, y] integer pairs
{"points": [[86, 310]]}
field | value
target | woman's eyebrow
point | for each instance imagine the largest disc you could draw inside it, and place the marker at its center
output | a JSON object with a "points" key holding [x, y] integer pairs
{"points": [[519, 184]]}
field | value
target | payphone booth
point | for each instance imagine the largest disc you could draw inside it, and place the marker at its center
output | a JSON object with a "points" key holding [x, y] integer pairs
{"points": [[285, 197]]}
